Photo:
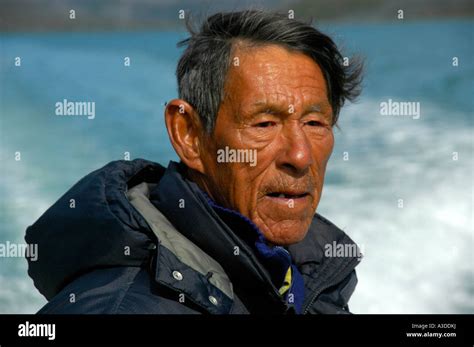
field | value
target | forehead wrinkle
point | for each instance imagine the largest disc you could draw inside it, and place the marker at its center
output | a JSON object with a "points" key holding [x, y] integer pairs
{"points": [[274, 82], [291, 89], [275, 69]]}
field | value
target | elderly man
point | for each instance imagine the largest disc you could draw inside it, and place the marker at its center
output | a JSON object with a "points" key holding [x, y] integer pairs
{"points": [[231, 228]]}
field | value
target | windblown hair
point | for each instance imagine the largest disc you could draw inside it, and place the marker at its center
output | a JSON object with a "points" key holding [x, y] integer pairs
{"points": [[202, 69]]}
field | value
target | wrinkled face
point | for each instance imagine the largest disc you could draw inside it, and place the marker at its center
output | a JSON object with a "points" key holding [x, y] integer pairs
{"points": [[272, 140]]}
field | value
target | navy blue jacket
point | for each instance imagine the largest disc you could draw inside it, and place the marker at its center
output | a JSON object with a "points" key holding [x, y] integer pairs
{"points": [[98, 254]]}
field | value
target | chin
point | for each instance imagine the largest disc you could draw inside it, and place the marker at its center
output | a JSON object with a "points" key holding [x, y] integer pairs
{"points": [[287, 235]]}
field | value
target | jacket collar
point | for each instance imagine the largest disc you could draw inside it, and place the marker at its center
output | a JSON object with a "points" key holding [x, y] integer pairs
{"points": [[184, 204]]}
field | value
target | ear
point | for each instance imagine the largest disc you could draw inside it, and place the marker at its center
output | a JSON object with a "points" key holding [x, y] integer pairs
{"points": [[184, 130]]}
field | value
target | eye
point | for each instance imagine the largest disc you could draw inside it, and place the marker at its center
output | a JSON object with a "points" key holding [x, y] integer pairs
{"points": [[265, 124], [314, 123]]}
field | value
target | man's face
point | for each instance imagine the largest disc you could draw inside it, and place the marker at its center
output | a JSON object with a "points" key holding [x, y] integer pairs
{"points": [[275, 105]]}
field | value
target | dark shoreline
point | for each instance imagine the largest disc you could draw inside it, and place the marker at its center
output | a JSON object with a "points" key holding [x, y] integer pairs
{"points": [[115, 15]]}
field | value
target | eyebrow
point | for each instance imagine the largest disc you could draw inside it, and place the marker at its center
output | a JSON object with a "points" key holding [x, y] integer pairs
{"points": [[313, 108], [260, 106]]}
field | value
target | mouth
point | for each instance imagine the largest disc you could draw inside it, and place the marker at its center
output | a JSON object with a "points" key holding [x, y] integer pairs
{"points": [[289, 201], [288, 195]]}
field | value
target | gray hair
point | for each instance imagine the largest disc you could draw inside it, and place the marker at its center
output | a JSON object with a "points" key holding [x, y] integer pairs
{"points": [[202, 69]]}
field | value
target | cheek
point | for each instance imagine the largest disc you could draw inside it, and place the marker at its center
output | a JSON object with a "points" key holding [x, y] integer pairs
{"points": [[234, 181], [247, 178], [245, 185], [237, 185], [322, 152], [330, 146]]}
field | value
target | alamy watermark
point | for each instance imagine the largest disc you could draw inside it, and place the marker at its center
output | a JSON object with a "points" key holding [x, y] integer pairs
{"points": [[229, 155], [342, 250], [75, 108], [400, 108], [28, 329], [19, 250]]}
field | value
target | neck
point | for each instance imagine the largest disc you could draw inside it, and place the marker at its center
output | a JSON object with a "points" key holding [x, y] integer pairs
{"points": [[201, 181]]}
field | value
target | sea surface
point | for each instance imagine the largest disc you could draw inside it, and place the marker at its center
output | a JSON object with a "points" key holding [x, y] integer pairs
{"points": [[401, 187]]}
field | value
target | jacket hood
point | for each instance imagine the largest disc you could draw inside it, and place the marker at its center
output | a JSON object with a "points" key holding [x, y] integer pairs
{"points": [[94, 225], [91, 226]]}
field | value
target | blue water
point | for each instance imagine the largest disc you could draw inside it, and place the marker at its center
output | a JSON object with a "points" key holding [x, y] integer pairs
{"points": [[418, 258]]}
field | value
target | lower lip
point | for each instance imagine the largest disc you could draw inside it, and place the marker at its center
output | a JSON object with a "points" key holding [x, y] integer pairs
{"points": [[288, 201]]}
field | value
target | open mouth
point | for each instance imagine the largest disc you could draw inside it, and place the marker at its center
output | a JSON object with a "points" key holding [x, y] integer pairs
{"points": [[284, 195]]}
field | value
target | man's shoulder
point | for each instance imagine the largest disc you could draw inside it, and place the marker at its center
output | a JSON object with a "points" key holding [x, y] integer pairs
{"points": [[327, 234], [114, 290]]}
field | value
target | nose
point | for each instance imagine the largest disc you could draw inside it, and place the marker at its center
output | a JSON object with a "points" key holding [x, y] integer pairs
{"points": [[295, 150]]}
